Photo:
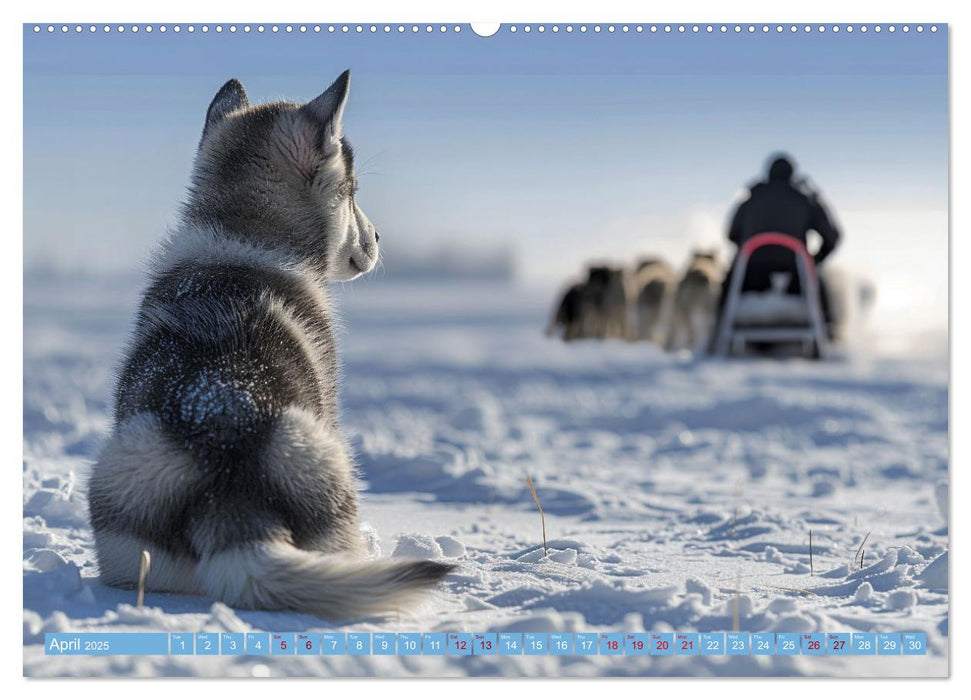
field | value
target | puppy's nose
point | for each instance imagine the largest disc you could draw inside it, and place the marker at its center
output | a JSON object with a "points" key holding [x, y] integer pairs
{"points": [[377, 236]]}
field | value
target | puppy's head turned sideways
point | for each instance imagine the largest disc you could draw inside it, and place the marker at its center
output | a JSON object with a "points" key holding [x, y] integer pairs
{"points": [[281, 176]]}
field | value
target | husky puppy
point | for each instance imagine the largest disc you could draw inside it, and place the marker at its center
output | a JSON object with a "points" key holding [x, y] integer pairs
{"points": [[695, 303], [225, 460], [651, 284]]}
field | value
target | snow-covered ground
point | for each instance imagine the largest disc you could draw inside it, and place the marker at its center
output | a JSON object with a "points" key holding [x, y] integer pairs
{"points": [[679, 494]]}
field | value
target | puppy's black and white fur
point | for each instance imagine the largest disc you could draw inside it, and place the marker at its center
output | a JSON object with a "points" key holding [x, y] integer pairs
{"points": [[225, 461]]}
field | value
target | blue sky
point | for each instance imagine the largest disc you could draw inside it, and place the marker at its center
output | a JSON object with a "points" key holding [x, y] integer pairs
{"points": [[563, 147]]}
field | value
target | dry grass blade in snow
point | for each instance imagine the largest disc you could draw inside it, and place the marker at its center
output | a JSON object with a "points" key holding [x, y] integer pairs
{"points": [[143, 568], [542, 517], [812, 570], [859, 550]]}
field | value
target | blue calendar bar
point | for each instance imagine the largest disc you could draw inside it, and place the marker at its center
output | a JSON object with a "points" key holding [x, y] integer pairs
{"points": [[308, 644], [510, 643], [207, 643], [914, 643], [561, 643], [787, 643], [535, 643], [433, 644], [585, 643], [611, 644], [661, 643], [838, 644], [459, 644], [232, 643], [409, 643], [182, 643], [636, 644], [383, 643], [737, 643], [281, 644], [106, 643], [487, 643], [358, 643], [257, 643], [686, 643], [763, 643], [864, 643], [888, 643], [713, 643], [813, 644], [333, 644]]}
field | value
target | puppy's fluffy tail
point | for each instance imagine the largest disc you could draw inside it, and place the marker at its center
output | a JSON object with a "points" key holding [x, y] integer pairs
{"points": [[279, 576]]}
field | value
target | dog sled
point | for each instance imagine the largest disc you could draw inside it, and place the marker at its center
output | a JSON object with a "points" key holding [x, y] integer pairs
{"points": [[773, 318]]}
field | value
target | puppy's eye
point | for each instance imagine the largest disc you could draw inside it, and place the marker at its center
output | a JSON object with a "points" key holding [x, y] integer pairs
{"points": [[347, 188]]}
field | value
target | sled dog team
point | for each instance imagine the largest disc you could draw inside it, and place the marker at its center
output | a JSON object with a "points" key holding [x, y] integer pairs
{"points": [[648, 302]]}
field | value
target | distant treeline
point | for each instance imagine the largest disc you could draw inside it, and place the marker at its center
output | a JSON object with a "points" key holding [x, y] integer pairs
{"points": [[446, 263]]}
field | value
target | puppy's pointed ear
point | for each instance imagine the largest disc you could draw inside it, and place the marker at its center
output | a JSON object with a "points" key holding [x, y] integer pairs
{"points": [[327, 109], [230, 97]]}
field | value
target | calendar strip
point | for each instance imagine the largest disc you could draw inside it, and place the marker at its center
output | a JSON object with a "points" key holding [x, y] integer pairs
{"points": [[487, 644]]}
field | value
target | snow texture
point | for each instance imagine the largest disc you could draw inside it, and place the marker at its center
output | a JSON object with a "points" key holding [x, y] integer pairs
{"points": [[679, 494]]}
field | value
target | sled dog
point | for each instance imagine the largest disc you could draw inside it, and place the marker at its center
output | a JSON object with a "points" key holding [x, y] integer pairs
{"points": [[695, 303], [650, 288], [225, 460], [568, 318], [594, 308], [614, 304]]}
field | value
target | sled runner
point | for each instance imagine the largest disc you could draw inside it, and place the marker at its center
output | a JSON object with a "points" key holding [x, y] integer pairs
{"points": [[772, 317]]}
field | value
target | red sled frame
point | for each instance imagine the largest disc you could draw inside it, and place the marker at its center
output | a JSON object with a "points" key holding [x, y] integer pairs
{"points": [[731, 339]]}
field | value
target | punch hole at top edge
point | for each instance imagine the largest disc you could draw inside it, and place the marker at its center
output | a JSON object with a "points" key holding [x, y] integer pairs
{"points": [[485, 29]]}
